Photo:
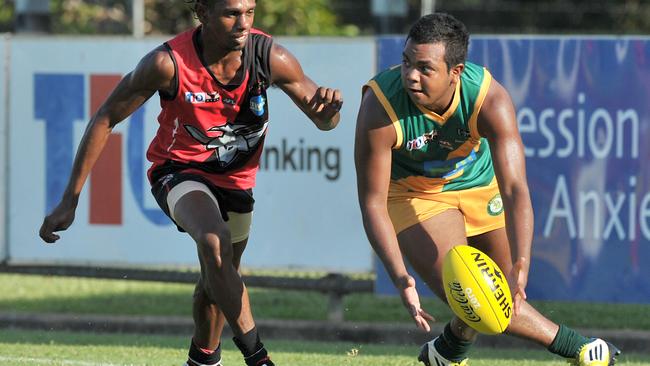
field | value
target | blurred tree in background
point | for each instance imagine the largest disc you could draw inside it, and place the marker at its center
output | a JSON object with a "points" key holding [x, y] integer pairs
{"points": [[6, 15], [354, 17], [301, 17], [279, 17], [90, 16]]}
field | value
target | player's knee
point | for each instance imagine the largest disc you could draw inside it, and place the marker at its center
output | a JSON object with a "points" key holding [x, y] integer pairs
{"points": [[215, 248], [202, 295]]}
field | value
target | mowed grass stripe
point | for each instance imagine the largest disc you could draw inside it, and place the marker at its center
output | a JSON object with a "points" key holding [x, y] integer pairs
{"points": [[38, 348], [44, 361], [50, 294]]}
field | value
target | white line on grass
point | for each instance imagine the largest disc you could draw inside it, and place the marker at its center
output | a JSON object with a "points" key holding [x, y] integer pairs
{"points": [[59, 362]]}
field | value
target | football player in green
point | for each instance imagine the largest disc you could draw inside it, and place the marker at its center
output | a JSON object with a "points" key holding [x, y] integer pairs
{"points": [[440, 163]]}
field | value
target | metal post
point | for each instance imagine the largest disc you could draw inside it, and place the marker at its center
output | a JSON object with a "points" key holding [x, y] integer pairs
{"points": [[138, 18], [33, 16], [428, 7]]}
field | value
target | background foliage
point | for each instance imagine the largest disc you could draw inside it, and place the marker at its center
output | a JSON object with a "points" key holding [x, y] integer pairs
{"points": [[354, 17], [286, 17], [6, 15]]}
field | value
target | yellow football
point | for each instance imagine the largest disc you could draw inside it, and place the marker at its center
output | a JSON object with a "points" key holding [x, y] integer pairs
{"points": [[476, 290]]}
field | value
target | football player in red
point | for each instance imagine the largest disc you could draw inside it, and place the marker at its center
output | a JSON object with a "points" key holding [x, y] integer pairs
{"points": [[212, 82]]}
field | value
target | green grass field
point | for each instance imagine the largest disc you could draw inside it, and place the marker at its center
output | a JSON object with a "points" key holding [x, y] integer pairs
{"points": [[44, 294], [82, 349], [25, 294]]}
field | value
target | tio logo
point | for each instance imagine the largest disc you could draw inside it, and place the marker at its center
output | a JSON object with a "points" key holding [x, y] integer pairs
{"points": [[59, 102]]}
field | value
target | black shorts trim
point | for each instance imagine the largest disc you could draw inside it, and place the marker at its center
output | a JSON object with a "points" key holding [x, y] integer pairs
{"points": [[233, 200]]}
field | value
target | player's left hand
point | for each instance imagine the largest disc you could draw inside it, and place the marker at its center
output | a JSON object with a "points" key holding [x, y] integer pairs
{"points": [[325, 103], [411, 301], [59, 219], [518, 280]]}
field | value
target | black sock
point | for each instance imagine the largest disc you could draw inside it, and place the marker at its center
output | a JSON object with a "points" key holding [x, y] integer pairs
{"points": [[567, 342], [249, 342], [451, 347], [252, 348], [199, 357]]}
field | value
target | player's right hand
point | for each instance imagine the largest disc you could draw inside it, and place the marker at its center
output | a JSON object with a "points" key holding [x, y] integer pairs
{"points": [[59, 219], [325, 104], [518, 278], [411, 301]]}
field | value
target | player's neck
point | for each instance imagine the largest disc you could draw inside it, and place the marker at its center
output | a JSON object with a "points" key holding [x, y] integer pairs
{"points": [[444, 103], [213, 54], [224, 63]]}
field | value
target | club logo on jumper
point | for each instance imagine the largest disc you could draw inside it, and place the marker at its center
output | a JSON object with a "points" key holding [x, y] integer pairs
{"points": [[257, 105], [421, 141], [234, 139], [202, 97], [445, 144], [495, 206], [463, 133]]}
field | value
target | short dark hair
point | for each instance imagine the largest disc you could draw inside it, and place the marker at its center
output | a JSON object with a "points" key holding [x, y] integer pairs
{"points": [[444, 28]]}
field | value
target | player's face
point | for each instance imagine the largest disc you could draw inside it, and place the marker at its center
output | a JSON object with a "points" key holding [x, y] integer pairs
{"points": [[426, 77], [228, 21]]}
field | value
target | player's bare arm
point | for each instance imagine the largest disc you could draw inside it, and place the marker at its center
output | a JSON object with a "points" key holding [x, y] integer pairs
{"points": [[497, 122], [375, 138], [320, 104], [154, 72]]}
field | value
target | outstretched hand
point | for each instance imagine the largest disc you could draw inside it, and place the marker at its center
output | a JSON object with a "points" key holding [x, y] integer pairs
{"points": [[518, 279], [325, 103], [59, 219], [411, 301]]}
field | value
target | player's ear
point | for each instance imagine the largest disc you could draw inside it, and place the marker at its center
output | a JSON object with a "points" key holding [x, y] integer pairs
{"points": [[456, 71], [202, 11]]}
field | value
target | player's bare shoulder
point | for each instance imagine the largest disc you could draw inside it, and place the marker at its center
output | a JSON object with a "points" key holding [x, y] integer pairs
{"points": [[371, 112], [155, 71], [374, 126], [497, 111], [284, 65], [497, 96]]}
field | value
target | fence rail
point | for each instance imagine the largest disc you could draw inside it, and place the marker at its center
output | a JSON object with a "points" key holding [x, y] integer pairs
{"points": [[334, 285]]}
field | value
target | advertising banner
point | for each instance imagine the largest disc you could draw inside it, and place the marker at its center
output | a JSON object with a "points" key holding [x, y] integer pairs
{"points": [[582, 109], [306, 215]]}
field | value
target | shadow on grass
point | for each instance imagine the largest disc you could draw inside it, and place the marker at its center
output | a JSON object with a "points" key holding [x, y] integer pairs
{"points": [[266, 304]]}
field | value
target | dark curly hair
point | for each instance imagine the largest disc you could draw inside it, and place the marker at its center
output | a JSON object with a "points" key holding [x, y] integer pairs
{"points": [[193, 3], [444, 28]]}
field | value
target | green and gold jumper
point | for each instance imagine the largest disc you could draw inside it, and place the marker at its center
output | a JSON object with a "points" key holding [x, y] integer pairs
{"points": [[435, 154]]}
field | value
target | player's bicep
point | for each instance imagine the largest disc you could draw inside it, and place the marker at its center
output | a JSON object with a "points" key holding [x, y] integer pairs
{"points": [[374, 139], [154, 72], [498, 123], [289, 76]]}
